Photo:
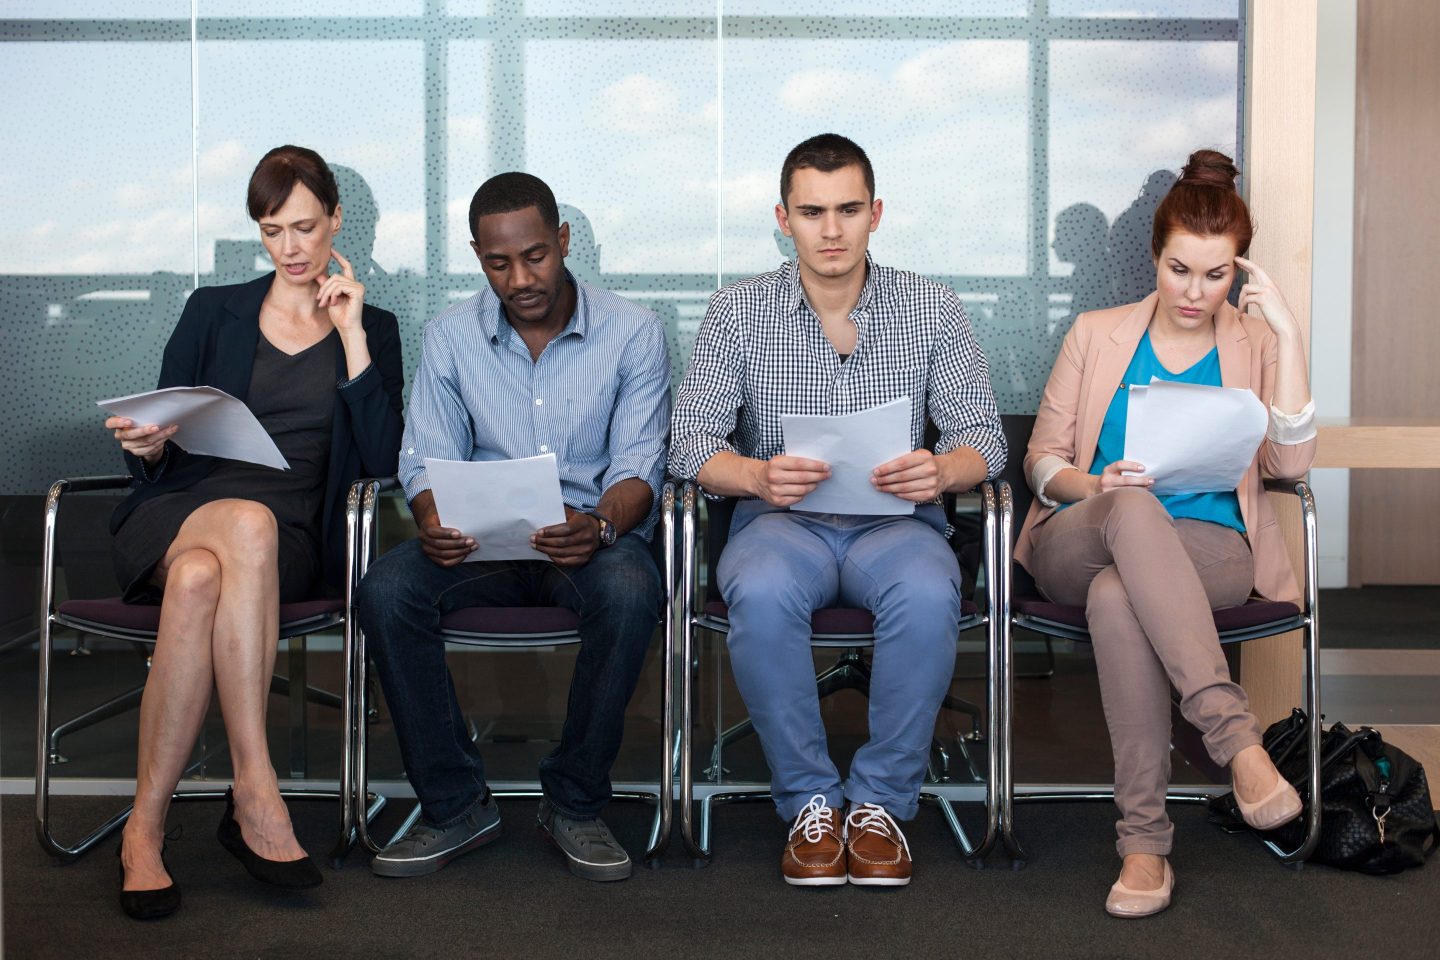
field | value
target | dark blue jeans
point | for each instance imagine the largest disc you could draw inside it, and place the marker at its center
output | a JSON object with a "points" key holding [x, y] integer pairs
{"points": [[401, 600]]}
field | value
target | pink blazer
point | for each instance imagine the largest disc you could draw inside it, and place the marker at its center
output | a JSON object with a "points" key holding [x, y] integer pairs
{"points": [[1092, 361]]}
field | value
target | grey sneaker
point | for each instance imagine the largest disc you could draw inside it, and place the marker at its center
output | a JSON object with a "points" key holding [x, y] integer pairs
{"points": [[424, 849], [587, 844]]}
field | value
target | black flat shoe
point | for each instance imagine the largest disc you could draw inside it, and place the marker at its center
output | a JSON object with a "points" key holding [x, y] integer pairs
{"points": [[147, 904], [296, 874]]}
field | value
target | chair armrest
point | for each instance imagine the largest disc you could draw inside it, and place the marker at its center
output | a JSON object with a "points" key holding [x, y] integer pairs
{"points": [[52, 515], [1297, 488], [87, 484], [361, 523]]}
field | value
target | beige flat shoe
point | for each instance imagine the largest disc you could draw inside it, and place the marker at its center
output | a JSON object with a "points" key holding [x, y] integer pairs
{"points": [[1124, 902], [1275, 809]]}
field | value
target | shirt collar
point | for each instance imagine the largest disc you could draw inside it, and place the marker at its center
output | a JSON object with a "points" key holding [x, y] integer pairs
{"points": [[491, 312], [794, 294]]}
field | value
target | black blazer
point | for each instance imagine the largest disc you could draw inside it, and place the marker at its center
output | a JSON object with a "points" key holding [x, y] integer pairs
{"points": [[214, 345]]}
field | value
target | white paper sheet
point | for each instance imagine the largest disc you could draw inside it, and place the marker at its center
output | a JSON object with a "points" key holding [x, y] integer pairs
{"points": [[1193, 438], [853, 444], [501, 503], [212, 423]]}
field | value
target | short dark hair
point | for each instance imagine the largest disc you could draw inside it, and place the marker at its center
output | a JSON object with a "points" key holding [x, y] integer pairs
{"points": [[277, 173], [827, 153], [508, 192]]}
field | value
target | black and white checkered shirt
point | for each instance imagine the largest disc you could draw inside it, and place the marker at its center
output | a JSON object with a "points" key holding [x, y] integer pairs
{"points": [[761, 353]]}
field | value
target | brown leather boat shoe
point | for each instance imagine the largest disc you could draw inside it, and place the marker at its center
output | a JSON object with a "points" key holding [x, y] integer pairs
{"points": [[815, 852], [879, 855]]}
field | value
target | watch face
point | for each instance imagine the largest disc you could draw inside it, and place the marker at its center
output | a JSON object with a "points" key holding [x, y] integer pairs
{"points": [[607, 532]]}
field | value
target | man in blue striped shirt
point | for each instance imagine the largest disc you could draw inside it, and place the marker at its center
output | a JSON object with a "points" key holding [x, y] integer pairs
{"points": [[829, 333], [536, 363]]}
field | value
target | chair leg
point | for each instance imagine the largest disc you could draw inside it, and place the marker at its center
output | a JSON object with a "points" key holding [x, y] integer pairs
{"points": [[113, 707], [299, 716]]}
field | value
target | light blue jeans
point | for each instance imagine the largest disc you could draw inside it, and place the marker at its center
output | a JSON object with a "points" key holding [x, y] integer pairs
{"points": [[778, 567]]}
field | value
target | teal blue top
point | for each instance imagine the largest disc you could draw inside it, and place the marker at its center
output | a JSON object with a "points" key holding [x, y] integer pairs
{"points": [[1222, 508]]}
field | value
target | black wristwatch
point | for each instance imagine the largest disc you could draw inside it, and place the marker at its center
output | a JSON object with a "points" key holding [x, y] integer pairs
{"points": [[607, 530]]}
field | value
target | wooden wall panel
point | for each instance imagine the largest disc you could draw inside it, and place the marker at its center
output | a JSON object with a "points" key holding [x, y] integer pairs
{"points": [[1395, 354]]}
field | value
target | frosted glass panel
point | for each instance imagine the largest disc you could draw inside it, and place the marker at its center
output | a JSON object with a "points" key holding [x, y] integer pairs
{"points": [[1018, 155], [1119, 132], [945, 125], [97, 250], [1218, 9], [97, 9], [630, 141]]}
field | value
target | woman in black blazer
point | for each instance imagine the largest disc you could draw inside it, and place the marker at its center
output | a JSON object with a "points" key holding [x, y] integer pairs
{"points": [[220, 543]]}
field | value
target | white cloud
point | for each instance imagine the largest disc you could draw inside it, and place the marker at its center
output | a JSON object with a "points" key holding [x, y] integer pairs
{"points": [[818, 91]]}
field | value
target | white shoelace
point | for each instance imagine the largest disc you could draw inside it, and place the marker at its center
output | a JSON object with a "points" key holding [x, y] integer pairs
{"points": [[868, 816], [813, 819]]}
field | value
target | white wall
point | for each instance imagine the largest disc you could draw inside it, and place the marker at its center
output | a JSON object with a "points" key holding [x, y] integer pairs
{"points": [[1334, 252]]}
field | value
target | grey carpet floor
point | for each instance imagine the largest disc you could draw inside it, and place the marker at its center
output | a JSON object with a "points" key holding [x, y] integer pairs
{"points": [[1380, 618], [514, 899]]}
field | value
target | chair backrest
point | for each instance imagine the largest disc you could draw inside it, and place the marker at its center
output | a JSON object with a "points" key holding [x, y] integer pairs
{"points": [[1017, 429], [718, 514]]}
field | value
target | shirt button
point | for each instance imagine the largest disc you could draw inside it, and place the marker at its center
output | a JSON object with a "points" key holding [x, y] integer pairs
{"points": [[538, 401], [544, 449], [410, 452]]}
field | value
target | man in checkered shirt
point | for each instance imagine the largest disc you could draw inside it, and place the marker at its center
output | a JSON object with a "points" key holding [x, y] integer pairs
{"points": [[835, 333]]}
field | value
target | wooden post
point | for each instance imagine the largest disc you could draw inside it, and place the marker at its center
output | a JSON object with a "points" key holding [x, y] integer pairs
{"points": [[1279, 176]]}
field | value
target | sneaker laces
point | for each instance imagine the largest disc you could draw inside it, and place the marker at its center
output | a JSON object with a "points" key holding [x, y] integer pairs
{"points": [[872, 816], [422, 833], [813, 820], [592, 832]]}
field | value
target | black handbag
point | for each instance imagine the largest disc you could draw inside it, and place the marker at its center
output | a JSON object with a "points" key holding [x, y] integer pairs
{"points": [[1375, 810]]}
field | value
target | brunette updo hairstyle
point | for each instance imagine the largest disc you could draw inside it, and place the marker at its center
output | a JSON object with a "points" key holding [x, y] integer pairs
{"points": [[1204, 202], [277, 173]]}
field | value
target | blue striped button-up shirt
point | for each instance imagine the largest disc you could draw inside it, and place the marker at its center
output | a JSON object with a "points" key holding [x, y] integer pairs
{"points": [[598, 397]]}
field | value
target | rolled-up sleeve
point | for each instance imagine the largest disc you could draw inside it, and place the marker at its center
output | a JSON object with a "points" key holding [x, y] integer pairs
{"points": [[641, 416], [710, 395], [962, 402], [438, 424]]}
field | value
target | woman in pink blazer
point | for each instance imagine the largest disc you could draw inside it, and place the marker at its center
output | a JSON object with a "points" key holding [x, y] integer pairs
{"points": [[1149, 570]]}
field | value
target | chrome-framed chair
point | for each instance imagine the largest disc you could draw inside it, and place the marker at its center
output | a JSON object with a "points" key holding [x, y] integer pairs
{"points": [[846, 629], [1024, 607], [112, 618], [499, 628]]}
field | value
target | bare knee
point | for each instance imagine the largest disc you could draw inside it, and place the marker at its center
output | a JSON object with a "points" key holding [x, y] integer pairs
{"points": [[193, 579], [250, 531]]}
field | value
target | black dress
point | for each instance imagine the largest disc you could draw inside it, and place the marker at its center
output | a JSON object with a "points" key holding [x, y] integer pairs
{"points": [[293, 397]]}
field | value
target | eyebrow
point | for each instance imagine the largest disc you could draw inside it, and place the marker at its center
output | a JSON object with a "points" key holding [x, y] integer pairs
{"points": [[533, 248], [1188, 267], [820, 209], [293, 223]]}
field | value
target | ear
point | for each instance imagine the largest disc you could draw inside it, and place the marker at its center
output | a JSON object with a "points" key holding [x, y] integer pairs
{"points": [[876, 209], [476, 247], [336, 219], [564, 237], [782, 217]]}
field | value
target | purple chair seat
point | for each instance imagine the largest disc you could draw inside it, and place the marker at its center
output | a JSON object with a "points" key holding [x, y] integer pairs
{"points": [[511, 621], [1250, 614], [834, 620], [114, 613]]}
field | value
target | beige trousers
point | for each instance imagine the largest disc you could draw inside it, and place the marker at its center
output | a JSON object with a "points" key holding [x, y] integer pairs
{"points": [[1148, 584]]}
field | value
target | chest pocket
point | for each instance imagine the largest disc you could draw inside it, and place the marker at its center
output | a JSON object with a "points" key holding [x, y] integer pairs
{"points": [[587, 425]]}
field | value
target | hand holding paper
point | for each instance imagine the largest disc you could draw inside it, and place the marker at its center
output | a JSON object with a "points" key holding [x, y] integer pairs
{"points": [[1193, 438], [499, 503], [853, 445], [210, 423]]}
